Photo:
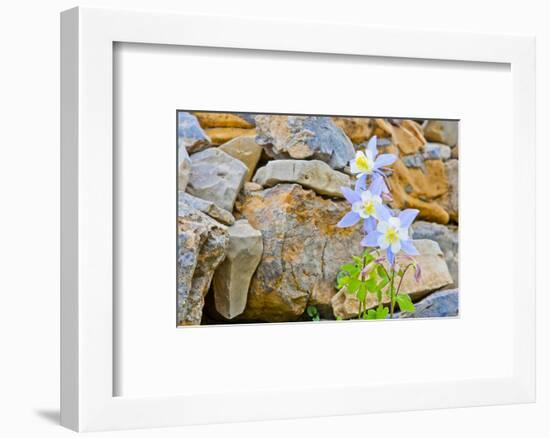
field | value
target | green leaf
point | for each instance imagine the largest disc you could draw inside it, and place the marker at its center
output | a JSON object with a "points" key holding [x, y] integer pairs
{"points": [[350, 267], [353, 285], [362, 292], [358, 260], [312, 311], [371, 314], [405, 302], [371, 285], [381, 312]]}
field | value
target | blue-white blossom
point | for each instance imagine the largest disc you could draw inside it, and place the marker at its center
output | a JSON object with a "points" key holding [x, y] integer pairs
{"points": [[392, 234], [365, 204], [369, 163]]}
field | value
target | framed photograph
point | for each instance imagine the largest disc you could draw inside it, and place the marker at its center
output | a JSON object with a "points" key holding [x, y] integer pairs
{"points": [[274, 219]]}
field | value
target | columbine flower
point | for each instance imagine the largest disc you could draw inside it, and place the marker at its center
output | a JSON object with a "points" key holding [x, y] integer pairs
{"points": [[369, 162], [392, 234], [365, 204]]}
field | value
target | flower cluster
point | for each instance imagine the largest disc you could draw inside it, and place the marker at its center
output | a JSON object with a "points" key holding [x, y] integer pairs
{"points": [[382, 229]]}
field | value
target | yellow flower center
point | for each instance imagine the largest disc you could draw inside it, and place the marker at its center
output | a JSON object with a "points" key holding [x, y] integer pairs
{"points": [[391, 235], [363, 163], [368, 208]]}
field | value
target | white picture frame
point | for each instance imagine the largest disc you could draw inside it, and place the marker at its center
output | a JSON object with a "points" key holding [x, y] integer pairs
{"points": [[87, 333]]}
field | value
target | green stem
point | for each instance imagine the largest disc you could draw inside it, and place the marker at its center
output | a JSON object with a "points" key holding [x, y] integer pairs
{"points": [[392, 299]]}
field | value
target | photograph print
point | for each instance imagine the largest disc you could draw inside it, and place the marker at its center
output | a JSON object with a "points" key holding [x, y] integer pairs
{"points": [[310, 218]]}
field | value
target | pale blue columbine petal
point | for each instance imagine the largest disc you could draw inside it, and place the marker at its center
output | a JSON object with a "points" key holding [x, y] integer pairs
{"points": [[377, 185], [351, 195], [361, 183], [371, 239], [384, 160], [382, 212], [408, 247], [379, 174], [391, 256], [371, 146], [348, 220], [406, 217], [369, 224]]}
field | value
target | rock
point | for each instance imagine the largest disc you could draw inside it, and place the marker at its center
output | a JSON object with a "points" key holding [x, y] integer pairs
{"points": [[454, 152], [437, 305], [435, 275], [451, 167], [246, 150], [232, 277], [207, 207], [184, 167], [303, 249], [419, 188], [314, 174], [382, 128], [447, 238], [345, 305], [408, 137], [190, 134], [224, 120], [216, 177], [442, 131], [220, 136], [304, 137], [251, 187], [431, 151], [415, 161], [358, 129], [201, 248], [450, 200], [436, 151]]}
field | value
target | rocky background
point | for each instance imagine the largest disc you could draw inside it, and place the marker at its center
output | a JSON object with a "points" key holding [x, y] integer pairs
{"points": [[258, 200]]}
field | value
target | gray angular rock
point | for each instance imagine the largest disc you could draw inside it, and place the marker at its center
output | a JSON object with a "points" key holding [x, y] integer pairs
{"points": [[447, 238], [232, 278], [303, 250], [216, 177], [436, 151], [211, 209], [437, 305], [431, 151], [184, 167], [304, 137], [442, 131], [190, 134], [312, 174], [201, 248]]}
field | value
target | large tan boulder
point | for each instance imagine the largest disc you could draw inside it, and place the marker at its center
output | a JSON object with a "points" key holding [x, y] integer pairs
{"points": [[303, 249]]}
